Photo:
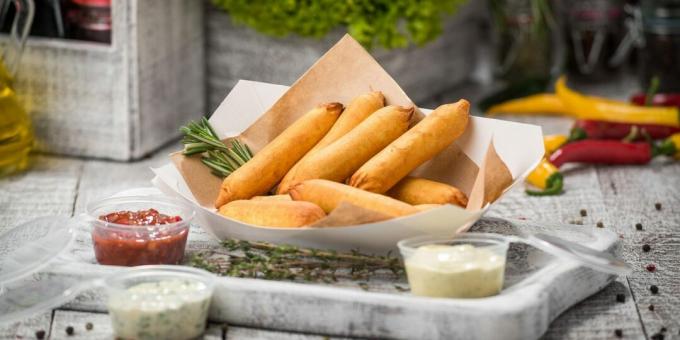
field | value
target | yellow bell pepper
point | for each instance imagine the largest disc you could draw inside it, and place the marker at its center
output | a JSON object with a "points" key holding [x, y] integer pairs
{"points": [[544, 103], [546, 177], [595, 108]]}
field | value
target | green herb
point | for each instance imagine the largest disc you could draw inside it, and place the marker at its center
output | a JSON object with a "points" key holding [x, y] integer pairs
{"points": [[391, 23], [201, 138], [284, 262]]}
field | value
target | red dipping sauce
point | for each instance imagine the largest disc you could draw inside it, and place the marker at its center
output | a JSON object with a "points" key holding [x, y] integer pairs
{"points": [[133, 238]]}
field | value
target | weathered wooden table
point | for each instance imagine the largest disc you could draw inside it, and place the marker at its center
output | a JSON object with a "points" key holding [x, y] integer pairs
{"points": [[617, 196]]}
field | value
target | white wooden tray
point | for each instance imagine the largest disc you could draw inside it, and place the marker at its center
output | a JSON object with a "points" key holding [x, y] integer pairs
{"points": [[538, 288]]}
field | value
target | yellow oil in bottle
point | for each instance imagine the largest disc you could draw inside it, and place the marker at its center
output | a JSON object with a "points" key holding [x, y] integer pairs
{"points": [[16, 133]]}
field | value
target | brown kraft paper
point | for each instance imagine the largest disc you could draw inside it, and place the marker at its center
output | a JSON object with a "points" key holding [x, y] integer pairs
{"points": [[347, 70]]}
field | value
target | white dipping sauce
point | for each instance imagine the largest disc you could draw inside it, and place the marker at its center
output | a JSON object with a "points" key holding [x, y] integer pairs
{"points": [[461, 271], [169, 309]]}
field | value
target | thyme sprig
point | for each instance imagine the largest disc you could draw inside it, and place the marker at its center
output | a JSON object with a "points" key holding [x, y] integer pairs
{"points": [[284, 262], [201, 138]]}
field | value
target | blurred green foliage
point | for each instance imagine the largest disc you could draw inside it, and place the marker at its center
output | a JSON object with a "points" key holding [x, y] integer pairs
{"points": [[390, 23]]}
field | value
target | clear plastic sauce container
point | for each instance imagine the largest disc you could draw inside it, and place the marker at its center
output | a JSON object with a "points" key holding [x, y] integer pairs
{"points": [[159, 302], [139, 230], [464, 267]]}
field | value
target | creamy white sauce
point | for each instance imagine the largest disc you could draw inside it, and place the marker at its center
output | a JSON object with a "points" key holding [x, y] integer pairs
{"points": [[170, 309], [461, 271]]}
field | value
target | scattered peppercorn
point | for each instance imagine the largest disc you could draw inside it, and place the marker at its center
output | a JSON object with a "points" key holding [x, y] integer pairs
{"points": [[600, 225], [89, 326], [69, 330], [651, 308], [646, 248], [638, 226], [40, 334], [657, 205], [618, 333], [584, 212], [663, 329], [651, 267], [654, 289], [657, 336], [620, 298]]}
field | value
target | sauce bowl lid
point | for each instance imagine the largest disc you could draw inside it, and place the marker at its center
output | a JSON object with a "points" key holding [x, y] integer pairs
{"points": [[29, 247], [24, 251], [561, 248]]}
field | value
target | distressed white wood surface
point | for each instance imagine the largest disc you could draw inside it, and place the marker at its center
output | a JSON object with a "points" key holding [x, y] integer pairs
{"points": [[27, 328], [617, 196]]}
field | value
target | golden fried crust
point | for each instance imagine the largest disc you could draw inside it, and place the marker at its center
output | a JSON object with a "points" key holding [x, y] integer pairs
{"points": [[285, 197], [270, 213], [328, 195], [419, 144], [341, 159], [267, 167], [417, 191], [358, 110]]}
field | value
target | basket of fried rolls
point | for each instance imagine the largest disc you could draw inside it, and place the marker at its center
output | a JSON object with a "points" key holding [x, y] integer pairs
{"points": [[361, 154], [344, 159]]}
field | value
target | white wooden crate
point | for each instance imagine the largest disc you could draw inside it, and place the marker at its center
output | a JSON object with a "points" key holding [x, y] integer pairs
{"points": [[118, 101]]}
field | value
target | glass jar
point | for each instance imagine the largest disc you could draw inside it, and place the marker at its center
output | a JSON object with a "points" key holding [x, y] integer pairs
{"points": [[90, 20], [660, 55], [595, 28], [524, 39], [528, 48]]}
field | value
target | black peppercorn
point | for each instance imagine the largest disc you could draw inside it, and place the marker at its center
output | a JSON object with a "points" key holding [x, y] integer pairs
{"points": [[657, 205], [600, 225], [646, 248], [584, 213], [69, 330], [40, 334], [620, 298], [618, 333], [638, 226], [89, 326], [663, 329], [654, 289], [651, 308], [657, 336]]}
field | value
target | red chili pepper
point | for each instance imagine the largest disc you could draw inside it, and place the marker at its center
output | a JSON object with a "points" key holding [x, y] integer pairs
{"points": [[659, 99], [598, 151], [595, 129]]}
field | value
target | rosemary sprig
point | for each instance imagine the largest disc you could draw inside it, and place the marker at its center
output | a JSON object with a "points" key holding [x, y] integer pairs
{"points": [[201, 138], [284, 262]]}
